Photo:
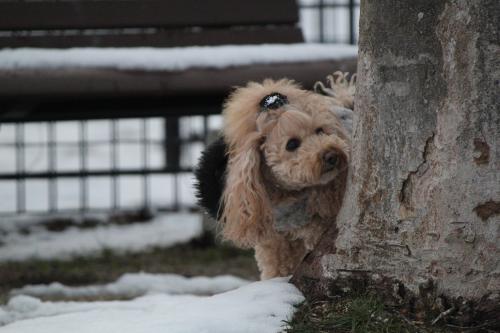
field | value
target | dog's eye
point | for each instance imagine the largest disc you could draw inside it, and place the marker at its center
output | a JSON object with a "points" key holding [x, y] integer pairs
{"points": [[319, 130], [292, 144]]}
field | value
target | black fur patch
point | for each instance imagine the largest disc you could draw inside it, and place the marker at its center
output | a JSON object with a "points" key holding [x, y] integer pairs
{"points": [[211, 177]]}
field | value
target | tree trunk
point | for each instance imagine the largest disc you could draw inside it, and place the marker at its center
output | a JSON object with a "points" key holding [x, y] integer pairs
{"points": [[420, 221]]}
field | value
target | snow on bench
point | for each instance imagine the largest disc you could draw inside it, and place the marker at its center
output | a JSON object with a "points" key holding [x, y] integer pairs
{"points": [[172, 59]]}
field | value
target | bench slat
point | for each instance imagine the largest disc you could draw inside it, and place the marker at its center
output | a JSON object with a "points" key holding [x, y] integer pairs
{"points": [[92, 93], [162, 38], [106, 14]]}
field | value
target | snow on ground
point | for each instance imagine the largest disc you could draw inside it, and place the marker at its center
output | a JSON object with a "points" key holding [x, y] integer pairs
{"points": [[258, 307], [172, 59], [163, 230], [138, 284]]}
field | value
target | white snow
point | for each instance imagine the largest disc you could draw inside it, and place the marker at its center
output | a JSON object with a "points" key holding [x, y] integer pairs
{"points": [[163, 230], [258, 307], [171, 59], [138, 284]]}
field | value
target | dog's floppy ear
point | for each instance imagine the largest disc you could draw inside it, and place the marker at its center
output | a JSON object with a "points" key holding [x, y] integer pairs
{"points": [[211, 178], [247, 213]]}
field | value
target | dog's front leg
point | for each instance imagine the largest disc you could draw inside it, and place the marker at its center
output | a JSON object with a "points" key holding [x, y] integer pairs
{"points": [[278, 256]]}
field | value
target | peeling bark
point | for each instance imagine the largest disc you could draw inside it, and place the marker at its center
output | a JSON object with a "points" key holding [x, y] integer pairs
{"points": [[488, 209], [483, 152], [421, 206]]}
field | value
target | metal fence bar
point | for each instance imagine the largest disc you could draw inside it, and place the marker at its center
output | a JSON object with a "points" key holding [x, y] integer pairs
{"points": [[352, 31], [100, 142], [205, 130], [172, 141], [321, 19], [172, 154], [145, 162], [114, 159], [83, 165], [321, 7], [20, 165], [52, 163], [94, 173], [328, 5]]}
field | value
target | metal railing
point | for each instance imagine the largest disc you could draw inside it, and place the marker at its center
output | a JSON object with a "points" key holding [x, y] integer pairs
{"points": [[100, 164], [330, 21]]}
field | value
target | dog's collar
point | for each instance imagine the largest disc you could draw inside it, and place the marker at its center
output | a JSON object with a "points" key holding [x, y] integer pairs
{"points": [[273, 101]]}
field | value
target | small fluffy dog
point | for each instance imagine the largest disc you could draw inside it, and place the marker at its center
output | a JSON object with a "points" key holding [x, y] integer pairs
{"points": [[276, 179]]}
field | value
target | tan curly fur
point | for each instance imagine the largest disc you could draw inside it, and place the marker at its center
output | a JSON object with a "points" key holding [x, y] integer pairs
{"points": [[265, 181]]}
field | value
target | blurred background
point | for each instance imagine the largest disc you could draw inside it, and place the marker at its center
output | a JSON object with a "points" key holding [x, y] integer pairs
{"points": [[97, 182]]}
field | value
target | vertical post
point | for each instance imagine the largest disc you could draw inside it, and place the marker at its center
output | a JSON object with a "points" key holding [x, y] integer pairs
{"points": [[145, 163], [52, 163], [172, 143], [172, 154], [83, 165], [352, 34], [205, 130], [321, 13], [114, 161], [20, 166]]}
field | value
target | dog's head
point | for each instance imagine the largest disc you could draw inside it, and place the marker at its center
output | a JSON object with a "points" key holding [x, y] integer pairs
{"points": [[280, 139]]}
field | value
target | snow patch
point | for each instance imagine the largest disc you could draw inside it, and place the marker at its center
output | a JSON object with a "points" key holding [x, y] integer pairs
{"points": [[171, 59], [162, 231], [139, 284], [258, 307]]}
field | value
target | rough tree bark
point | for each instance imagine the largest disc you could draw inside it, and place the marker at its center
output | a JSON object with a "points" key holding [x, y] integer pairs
{"points": [[420, 221]]}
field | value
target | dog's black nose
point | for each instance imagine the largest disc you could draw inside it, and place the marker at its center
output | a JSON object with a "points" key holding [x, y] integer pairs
{"points": [[330, 160]]}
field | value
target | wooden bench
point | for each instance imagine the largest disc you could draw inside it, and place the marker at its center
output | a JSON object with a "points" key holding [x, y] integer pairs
{"points": [[39, 93]]}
